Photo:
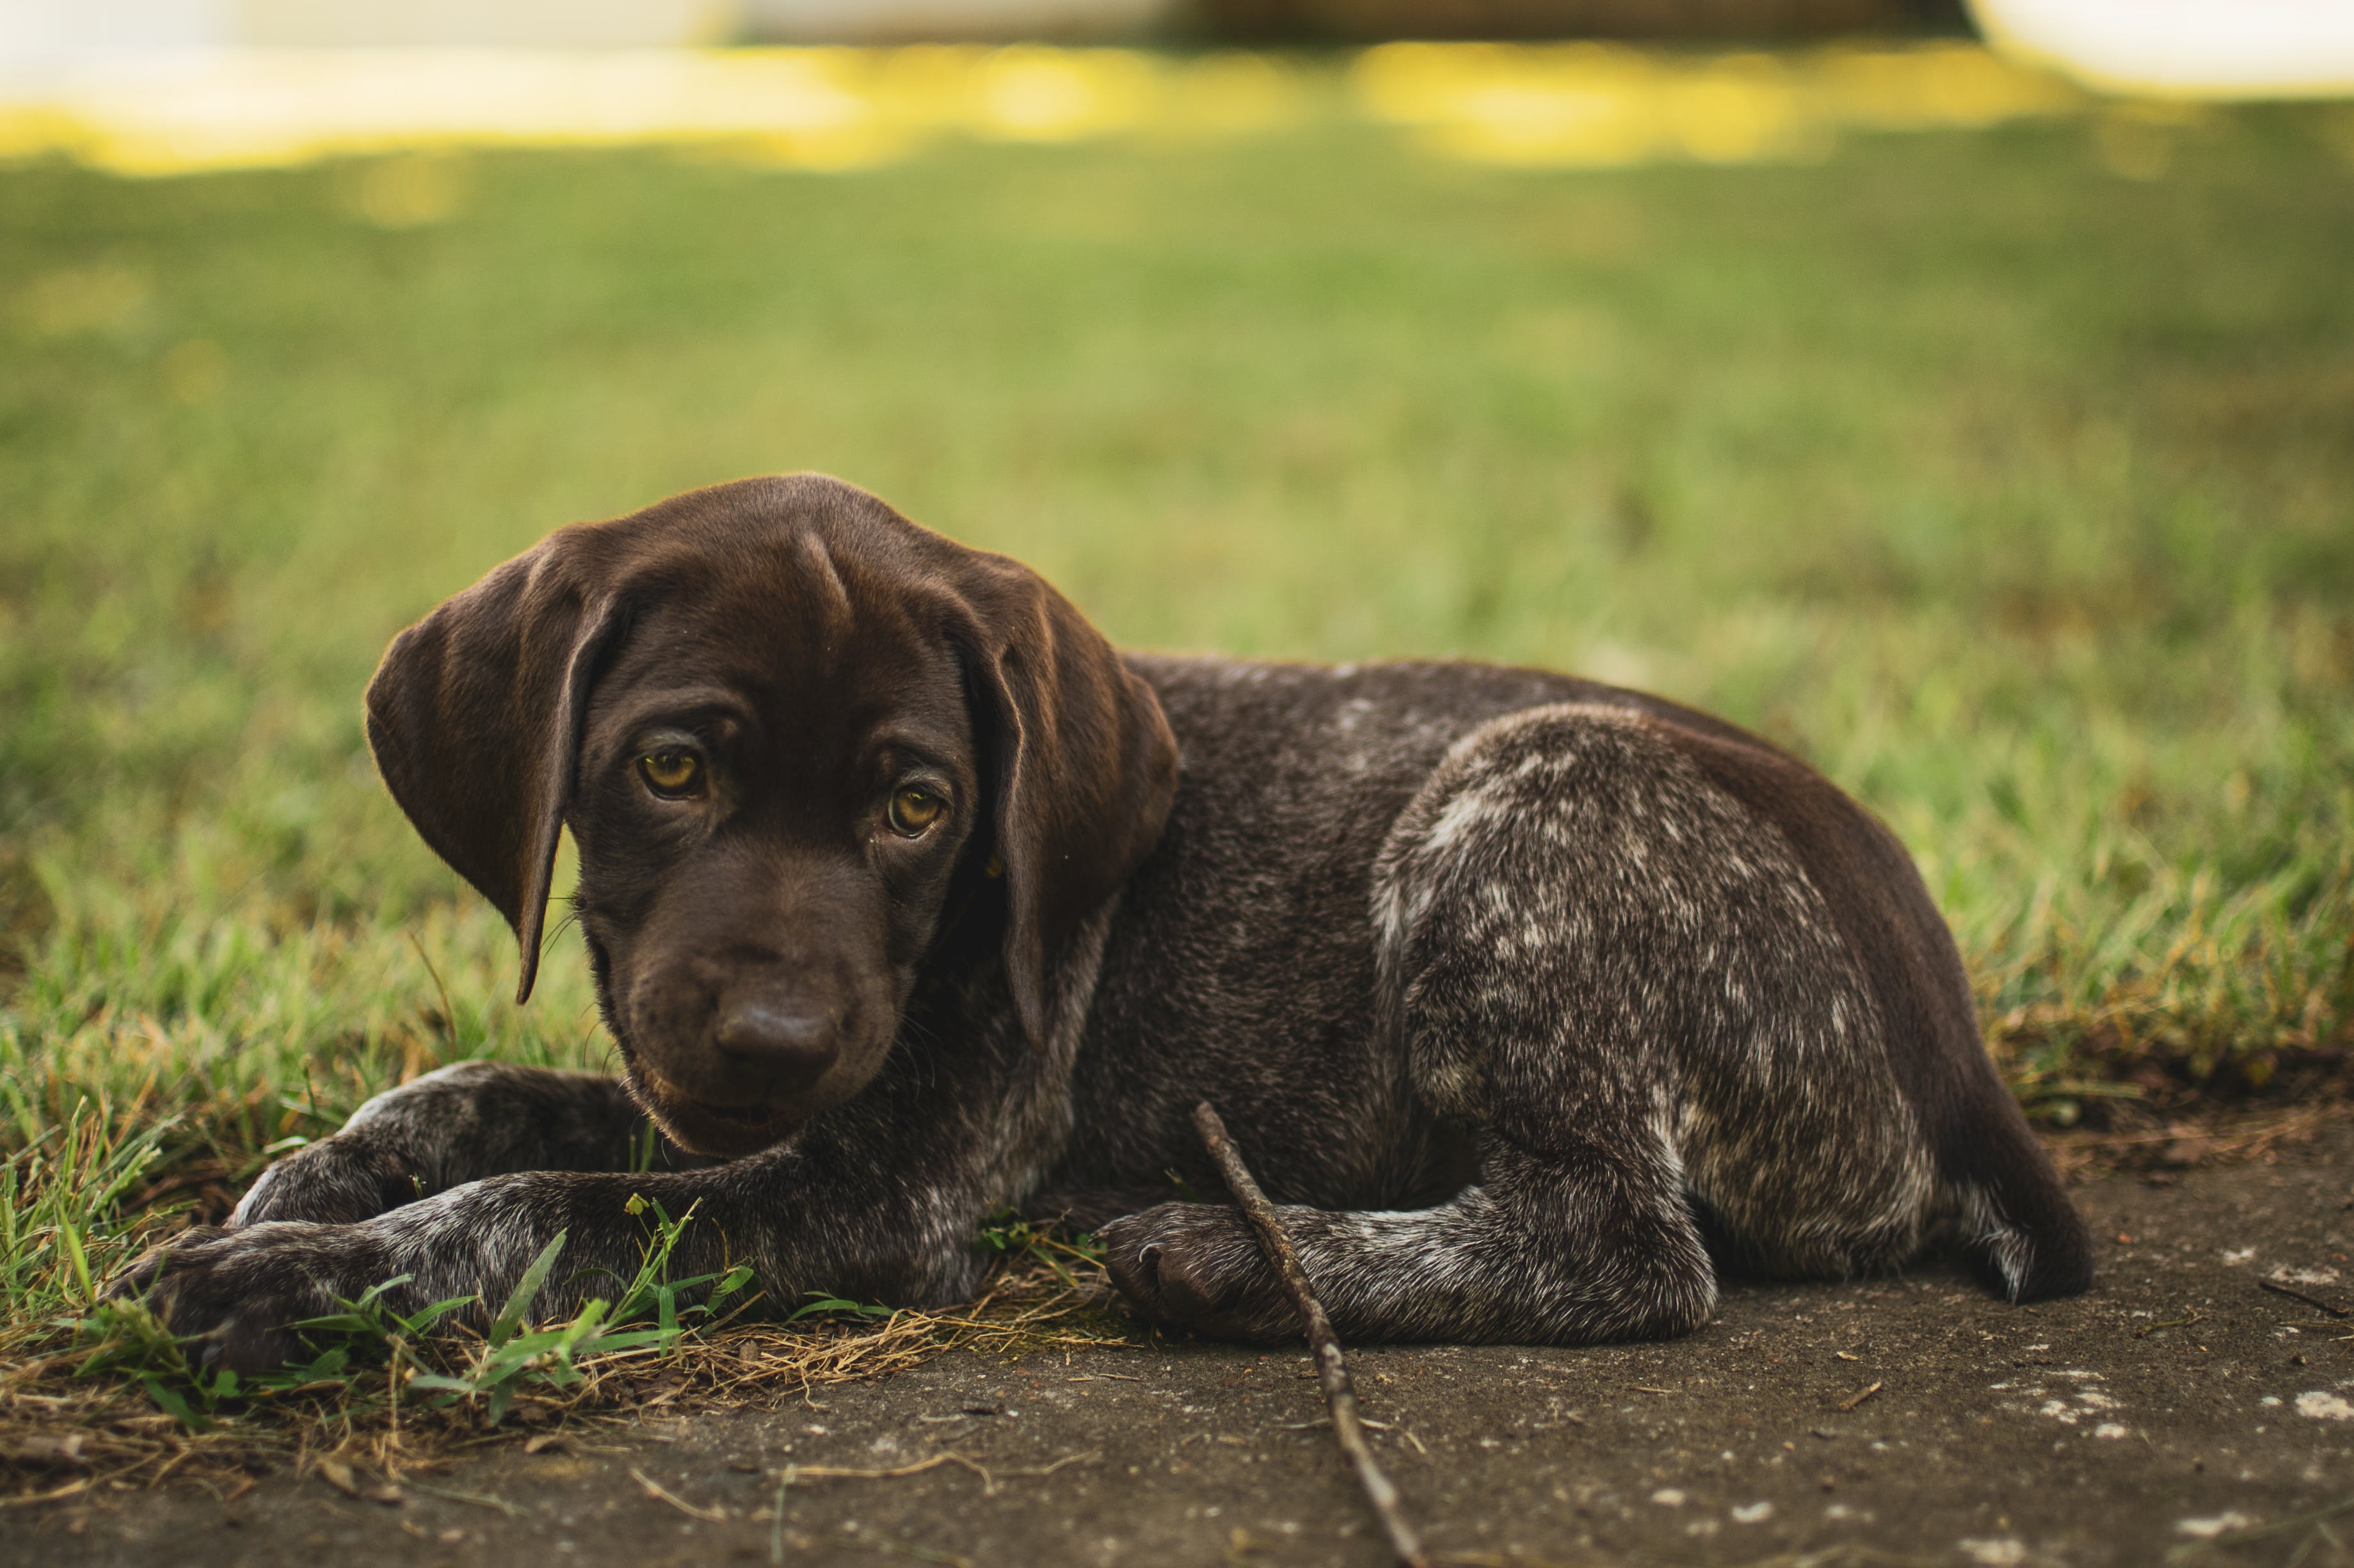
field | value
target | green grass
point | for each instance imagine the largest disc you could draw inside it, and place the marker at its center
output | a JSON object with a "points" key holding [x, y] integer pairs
{"points": [[2018, 495]]}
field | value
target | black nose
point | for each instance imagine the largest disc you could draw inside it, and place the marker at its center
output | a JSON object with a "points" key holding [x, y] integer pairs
{"points": [[790, 1048]]}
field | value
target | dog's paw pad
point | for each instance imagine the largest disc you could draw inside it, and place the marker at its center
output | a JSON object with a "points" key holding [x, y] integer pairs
{"points": [[1197, 1266]]}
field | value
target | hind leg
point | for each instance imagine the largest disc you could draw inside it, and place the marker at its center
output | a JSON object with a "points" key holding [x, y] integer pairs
{"points": [[1623, 982], [1576, 1230], [1533, 1006], [1587, 1241]]}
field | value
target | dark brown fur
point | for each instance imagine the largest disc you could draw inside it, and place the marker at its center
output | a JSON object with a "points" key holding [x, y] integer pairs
{"points": [[1528, 995]]}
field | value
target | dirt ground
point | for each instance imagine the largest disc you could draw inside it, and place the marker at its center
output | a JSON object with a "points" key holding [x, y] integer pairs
{"points": [[2179, 1402]]}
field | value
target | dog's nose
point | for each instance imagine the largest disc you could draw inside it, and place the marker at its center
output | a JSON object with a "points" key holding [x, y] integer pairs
{"points": [[789, 1047]]}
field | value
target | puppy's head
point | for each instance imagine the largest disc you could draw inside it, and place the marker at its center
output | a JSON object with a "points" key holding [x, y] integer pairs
{"points": [[792, 733]]}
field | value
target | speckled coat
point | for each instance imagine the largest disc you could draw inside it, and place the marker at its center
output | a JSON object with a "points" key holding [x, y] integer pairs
{"points": [[1535, 1001]]}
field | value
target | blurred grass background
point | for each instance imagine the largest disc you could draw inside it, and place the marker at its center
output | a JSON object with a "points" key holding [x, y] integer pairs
{"points": [[2016, 493]]}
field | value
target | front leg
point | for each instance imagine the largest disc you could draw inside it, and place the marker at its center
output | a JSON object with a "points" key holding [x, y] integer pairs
{"points": [[453, 1126], [804, 1219]]}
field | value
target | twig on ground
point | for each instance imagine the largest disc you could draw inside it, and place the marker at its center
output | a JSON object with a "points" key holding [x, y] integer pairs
{"points": [[2147, 1329], [794, 1474], [72, 1488], [1847, 1555], [908, 1549], [655, 1491], [2233, 1134], [479, 1500], [1079, 1458], [2317, 1305], [1859, 1396], [1339, 1394]]}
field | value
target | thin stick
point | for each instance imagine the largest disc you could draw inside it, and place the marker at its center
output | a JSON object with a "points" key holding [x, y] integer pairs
{"points": [[481, 1501], [2278, 1289], [660, 1493], [2195, 1316], [1859, 1396], [798, 1473], [1339, 1394]]}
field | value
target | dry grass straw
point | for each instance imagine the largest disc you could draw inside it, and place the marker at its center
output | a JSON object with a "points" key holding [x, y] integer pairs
{"points": [[2187, 1136], [62, 1435]]}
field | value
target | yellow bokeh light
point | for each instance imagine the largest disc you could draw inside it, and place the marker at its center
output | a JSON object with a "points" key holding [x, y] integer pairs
{"points": [[1565, 105]]}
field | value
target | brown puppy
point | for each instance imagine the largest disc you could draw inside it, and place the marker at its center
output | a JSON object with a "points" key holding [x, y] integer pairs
{"points": [[775, 783], [909, 899]]}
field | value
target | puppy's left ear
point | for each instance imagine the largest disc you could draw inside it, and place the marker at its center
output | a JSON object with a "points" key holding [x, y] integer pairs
{"points": [[1085, 766], [475, 714]]}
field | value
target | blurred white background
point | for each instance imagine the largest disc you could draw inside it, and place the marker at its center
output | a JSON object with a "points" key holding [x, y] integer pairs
{"points": [[2191, 47]]}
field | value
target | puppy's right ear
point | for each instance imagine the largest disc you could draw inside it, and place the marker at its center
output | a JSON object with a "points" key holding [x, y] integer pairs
{"points": [[475, 715]]}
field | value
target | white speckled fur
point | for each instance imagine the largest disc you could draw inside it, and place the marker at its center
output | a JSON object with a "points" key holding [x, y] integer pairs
{"points": [[1533, 1001]]}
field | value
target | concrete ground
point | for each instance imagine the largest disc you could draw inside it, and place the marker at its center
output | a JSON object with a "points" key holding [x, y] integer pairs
{"points": [[1913, 1420]]}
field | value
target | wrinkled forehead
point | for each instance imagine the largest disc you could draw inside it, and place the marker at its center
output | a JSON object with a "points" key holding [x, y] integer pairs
{"points": [[802, 643]]}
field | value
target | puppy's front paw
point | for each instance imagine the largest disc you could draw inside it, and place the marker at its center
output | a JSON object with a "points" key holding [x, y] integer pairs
{"points": [[1198, 1266], [236, 1293], [338, 1181]]}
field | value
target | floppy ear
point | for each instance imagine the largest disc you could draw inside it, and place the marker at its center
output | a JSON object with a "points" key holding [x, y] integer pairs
{"points": [[474, 717], [1086, 769]]}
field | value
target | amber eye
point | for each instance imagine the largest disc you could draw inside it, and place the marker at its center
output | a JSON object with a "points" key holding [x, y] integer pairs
{"points": [[913, 810], [673, 775]]}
